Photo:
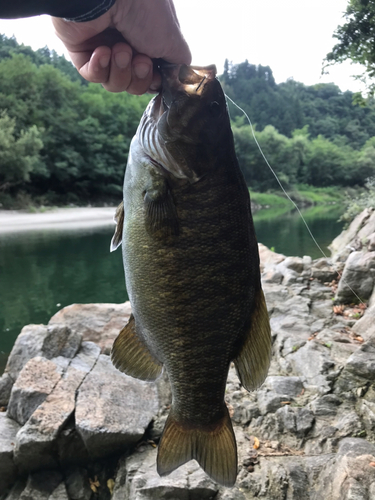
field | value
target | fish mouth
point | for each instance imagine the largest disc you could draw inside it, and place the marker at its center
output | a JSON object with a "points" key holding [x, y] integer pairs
{"points": [[182, 78]]}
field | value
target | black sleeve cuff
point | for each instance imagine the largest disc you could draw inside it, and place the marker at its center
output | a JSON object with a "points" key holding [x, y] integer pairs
{"points": [[72, 10], [94, 13]]}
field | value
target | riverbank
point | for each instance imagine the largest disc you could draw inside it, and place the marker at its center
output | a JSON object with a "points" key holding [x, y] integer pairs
{"points": [[12, 221]]}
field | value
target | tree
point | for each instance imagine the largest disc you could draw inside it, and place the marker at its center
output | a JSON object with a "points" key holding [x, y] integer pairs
{"points": [[19, 156], [357, 39]]}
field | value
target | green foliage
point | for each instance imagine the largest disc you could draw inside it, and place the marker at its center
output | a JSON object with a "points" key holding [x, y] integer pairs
{"points": [[64, 140], [365, 199], [81, 133], [291, 105], [18, 155], [356, 40]]}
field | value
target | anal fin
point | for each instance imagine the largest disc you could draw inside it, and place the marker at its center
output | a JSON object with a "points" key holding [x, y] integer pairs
{"points": [[253, 361], [214, 448], [131, 355]]}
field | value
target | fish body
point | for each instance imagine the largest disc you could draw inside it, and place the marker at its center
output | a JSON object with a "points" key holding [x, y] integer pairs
{"points": [[192, 269]]}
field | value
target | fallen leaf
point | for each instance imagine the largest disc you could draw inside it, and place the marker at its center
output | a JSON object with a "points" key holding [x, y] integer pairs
{"points": [[111, 485], [256, 443], [285, 402], [94, 484]]}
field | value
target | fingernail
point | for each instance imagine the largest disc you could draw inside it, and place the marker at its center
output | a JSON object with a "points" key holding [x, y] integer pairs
{"points": [[122, 59], [141, 70], [104, 61]]}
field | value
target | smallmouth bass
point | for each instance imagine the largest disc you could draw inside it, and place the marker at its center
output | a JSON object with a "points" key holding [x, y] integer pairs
{"points": [[192, 269]]}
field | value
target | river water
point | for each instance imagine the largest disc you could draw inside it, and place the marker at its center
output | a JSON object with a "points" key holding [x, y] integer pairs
{"points": [[41, 272]]}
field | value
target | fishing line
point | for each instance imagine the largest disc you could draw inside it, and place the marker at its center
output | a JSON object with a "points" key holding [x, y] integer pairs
{"points": [[286, 194]]}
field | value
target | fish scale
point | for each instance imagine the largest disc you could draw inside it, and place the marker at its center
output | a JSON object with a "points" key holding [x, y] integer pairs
{"points": [[192, 269]]}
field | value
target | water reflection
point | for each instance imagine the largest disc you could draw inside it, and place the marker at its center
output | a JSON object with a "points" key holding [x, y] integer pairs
{"points": [[41, 272]]}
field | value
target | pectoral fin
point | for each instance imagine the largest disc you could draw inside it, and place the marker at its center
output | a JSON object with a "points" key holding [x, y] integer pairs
{"points": [[119, 219], [253, 361], [160, 211], [131, 355]]}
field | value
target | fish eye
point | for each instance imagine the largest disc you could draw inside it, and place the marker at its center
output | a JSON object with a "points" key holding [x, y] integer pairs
{"points": [[214, 109]]}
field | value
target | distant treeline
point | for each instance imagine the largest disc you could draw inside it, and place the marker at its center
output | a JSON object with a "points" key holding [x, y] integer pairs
{"points": [[63, 140], [310, 134]]}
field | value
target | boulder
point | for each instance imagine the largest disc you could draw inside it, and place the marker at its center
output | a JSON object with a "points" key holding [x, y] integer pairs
{"points": [[365, 327], [46, 485], [99, 323], [8, 470], [347, 237], [6, 384], [137, 479], [113, 410], [358, 275], [35, 382], [36, 441], [268, 258], [40, 340]]}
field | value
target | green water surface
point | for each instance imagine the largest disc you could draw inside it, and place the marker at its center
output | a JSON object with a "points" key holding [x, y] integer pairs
{"points": [[41, 272]]}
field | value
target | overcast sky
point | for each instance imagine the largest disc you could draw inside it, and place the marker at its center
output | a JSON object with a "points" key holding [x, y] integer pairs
{"points": [[290, 36]]}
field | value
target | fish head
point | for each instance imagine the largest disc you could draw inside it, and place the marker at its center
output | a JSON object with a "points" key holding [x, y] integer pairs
{"points": [[190, 120]]}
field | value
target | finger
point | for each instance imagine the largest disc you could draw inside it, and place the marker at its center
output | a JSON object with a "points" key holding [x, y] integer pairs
{"points": [[120, 73], [93, 66], [141, 75]]}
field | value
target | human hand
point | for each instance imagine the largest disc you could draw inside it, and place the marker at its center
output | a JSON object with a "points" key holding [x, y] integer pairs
{"points": [[117, 48]]}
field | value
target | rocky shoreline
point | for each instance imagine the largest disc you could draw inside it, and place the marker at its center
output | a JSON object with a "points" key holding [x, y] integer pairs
{"points": [[74, 428]]}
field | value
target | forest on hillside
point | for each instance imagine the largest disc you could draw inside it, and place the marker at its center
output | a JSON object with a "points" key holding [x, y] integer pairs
{"points": [[63, 140]]}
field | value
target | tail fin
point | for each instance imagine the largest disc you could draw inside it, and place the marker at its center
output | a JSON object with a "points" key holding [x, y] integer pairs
{"points": [[214, 448]]}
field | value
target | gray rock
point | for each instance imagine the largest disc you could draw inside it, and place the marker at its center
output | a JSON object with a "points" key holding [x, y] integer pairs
{"points": [[358, 275], [365, 327], [362, 362], [36, 441], [346, 237], [304, 421], [6, 384], [349, 476], [42, 486], [113, 410], [40, 340], [77, 484], [287, 418], [291, 386], [59, 493], [137, 479], [322, 309], [36, 380], [29, 344], [99, 323], [245, 411], [270, 402], [295, 264], [326, 405], [323, 270], [268, 258], [8, 470], [16, 490], [272, 276], [314, 374]]}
